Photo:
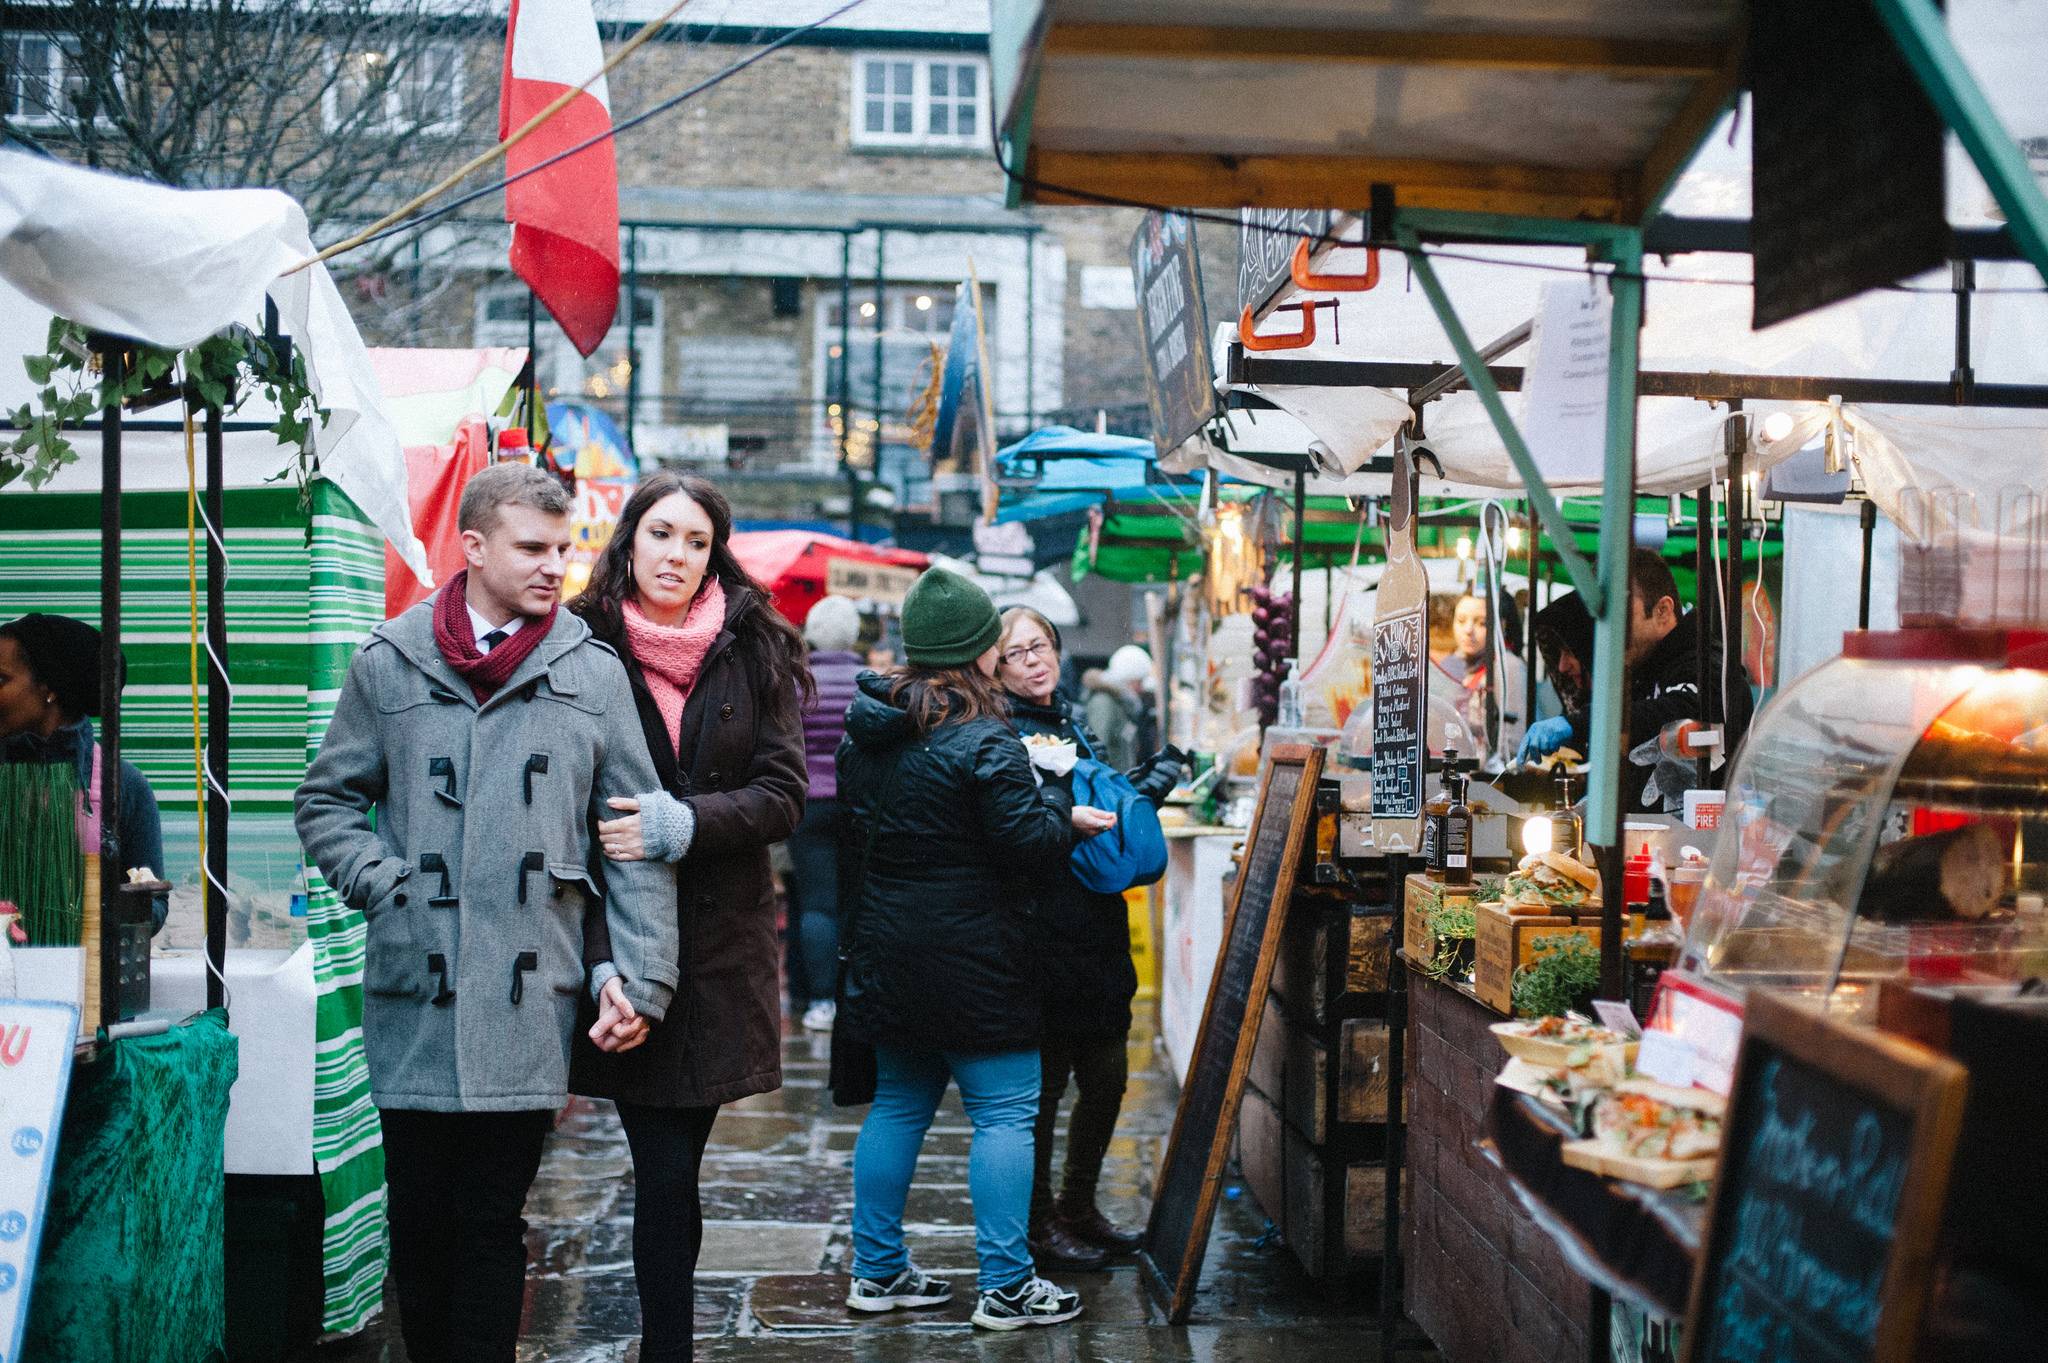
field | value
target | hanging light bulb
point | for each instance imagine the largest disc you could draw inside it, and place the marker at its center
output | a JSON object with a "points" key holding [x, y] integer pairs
{"points": [[1777, 426]]}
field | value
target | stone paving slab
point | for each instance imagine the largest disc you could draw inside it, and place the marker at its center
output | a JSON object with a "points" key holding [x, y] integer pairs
{"points": [[778, 1195]]}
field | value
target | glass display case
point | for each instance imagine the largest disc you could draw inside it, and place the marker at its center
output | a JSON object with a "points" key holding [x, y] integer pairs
{"points": [[1888, 817]]}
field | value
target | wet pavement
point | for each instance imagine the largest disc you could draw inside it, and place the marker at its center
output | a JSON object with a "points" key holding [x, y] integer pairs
{"points": [[771, 1284]]}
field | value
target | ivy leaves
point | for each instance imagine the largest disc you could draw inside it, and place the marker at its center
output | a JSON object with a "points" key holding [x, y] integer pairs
{"points": [[221, 371]]}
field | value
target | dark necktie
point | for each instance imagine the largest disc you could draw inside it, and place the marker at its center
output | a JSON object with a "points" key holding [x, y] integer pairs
{"points": [[492, 640]]}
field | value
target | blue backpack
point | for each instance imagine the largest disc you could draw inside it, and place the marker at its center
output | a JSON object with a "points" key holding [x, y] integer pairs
{"points": [[1132, 853]]}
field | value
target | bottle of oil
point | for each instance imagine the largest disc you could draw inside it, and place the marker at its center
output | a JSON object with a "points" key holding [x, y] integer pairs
{"points": [[1433, 813], [1456, 838]]}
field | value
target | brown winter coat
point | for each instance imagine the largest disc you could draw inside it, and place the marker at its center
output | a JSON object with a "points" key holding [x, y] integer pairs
{"points": [[743, 775]]}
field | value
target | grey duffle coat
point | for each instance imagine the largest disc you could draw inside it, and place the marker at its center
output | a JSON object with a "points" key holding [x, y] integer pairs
{"points": [[476, 874]]}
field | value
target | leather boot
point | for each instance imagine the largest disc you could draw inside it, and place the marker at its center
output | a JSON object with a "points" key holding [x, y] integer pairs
{"points": [[1051, 1244], [1084, 1221]]}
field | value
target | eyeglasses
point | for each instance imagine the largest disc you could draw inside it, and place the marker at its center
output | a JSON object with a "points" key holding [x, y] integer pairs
{"points": [[1015, 657]]}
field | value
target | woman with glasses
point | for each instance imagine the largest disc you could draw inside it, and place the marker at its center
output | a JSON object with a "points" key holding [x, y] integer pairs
{"points": [[1083, 943]]}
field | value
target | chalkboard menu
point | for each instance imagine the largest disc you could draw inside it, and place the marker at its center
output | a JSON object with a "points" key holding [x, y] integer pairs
{"points": [[1179, 377], [1397, 681], [1266, 241], [1827, 1200], [1184, 1201], [1846, 173]]}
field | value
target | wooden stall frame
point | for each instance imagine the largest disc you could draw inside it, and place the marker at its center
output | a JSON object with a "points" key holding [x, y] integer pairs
{"points": [[1907, 1078], [1177, 1291]]}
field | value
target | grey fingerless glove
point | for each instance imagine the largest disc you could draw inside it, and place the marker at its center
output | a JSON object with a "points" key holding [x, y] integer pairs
{"points": [[667, 826]]}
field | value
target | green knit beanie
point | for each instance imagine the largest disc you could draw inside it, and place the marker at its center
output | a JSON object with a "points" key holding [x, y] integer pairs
{"points": [[947, 621]]}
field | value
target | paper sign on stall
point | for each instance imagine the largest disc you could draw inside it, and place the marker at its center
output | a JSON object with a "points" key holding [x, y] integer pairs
{"points": [[36, 1039], [1564, 392]]}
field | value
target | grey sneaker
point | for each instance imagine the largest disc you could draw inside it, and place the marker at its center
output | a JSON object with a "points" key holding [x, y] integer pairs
{"points": [[1031, 1302], [912, 1287]]}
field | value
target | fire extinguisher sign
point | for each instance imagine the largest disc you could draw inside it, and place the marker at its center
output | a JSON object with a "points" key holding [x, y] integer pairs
{"points": [[36, 1038]]}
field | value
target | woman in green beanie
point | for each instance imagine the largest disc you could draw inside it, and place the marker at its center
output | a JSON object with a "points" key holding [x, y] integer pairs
{"points": [[937, 963]]}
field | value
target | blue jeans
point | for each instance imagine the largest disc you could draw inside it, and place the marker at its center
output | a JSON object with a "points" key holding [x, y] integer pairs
{"points": [[1000, 1093]]}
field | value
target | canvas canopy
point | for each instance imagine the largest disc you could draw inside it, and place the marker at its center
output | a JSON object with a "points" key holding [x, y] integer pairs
{"points": [[171, 267]]}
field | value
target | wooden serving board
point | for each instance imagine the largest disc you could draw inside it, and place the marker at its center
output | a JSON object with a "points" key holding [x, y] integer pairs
{"points": [[1651, 1173]]}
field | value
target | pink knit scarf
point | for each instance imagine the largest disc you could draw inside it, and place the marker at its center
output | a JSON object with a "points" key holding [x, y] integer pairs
{"points": [[671, 656]]}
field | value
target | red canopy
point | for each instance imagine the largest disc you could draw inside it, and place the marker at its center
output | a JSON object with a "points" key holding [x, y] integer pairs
{"points": [[794, 564]]}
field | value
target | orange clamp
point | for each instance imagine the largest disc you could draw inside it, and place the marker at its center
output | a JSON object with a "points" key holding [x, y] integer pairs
{"points": [[1299, 340], [1334, 283]]}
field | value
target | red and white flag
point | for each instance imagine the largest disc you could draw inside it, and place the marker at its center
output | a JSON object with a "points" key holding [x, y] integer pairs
{"points": [[565, 219]]}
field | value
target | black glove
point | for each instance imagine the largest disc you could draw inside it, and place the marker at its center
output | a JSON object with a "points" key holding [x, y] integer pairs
{"points": [[1158, 774]]}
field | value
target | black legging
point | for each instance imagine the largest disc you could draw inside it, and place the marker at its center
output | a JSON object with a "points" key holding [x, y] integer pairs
{"points": [[668, 1222], [1100, 1070]]}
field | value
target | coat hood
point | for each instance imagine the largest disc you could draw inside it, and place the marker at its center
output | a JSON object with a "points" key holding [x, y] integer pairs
{"points": [[873, 720]]}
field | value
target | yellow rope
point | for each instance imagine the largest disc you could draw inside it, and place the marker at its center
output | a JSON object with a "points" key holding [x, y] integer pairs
{"points": [[192, 586]]}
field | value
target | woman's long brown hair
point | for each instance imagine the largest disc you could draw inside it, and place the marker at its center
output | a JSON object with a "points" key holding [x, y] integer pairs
{"points": [[932, 696], [770, 645]]}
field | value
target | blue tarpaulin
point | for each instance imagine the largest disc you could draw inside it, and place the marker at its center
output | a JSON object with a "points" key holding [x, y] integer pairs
{"points": [[1073, 470]]}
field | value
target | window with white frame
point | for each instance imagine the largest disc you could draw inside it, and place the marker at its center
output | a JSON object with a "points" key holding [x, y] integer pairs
{"points": [[606, 373], [418, 91], [911, 101], [40, 79]]}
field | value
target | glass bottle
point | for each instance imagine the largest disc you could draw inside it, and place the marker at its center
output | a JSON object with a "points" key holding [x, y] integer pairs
{"points": [[1456, 837], [1433, 815]]}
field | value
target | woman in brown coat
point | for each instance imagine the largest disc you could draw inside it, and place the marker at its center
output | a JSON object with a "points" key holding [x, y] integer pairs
{"points": [[719, 678]]}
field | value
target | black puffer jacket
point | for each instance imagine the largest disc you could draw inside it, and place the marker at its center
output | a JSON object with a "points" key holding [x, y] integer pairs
{"points": [[1085, 943], [941, 951]]}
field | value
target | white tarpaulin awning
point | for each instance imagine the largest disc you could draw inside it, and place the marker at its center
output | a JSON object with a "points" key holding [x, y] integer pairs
{"points": [[174, 266]]}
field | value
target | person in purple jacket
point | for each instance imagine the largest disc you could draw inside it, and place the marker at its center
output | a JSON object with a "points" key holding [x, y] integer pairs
{"points": [[832, 629]]}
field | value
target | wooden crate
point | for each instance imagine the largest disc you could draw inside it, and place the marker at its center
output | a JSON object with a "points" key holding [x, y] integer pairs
{"points": [[1318, 929], [1416, 938], [1331, 1212], [1504, 943]]}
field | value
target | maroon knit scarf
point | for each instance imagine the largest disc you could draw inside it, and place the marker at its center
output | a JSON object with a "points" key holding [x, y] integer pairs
{"points": [[456, 638]]}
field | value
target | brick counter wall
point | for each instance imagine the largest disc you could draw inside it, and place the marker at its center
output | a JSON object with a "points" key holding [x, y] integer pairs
{"points": [[1482, 1280]]}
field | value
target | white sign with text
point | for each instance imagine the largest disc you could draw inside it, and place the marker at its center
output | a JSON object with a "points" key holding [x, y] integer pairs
{"points": [[36, 1039], [1564, 392]]}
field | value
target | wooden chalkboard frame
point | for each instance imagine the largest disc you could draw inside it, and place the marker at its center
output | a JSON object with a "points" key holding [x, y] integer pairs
{"points": [[1928, 1089], [1171, 1270]]}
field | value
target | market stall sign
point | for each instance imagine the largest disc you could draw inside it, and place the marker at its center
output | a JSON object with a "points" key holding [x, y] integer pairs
{"points": [[1400, 655], [1564, 393], [1827, 1202], [1179, 379], [1265, 253], [868, 581], [36, 1039], [1846, 173], [1205, 1122]]}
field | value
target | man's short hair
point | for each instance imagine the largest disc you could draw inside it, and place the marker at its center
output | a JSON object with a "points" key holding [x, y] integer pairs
{"points": [[509, 484], [1650, 580]]}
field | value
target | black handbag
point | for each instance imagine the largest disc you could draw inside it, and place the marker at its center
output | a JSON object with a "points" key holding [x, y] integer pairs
{"points": [[853, 1072]]}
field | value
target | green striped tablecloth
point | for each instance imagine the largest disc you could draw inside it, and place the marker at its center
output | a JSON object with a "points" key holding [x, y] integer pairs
{"points": [[300, 597]]}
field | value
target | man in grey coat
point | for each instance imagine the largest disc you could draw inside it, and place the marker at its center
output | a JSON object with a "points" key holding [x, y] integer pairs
{"points": [[453, 802]]}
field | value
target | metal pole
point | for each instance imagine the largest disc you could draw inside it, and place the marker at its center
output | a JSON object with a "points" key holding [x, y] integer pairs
{"points": [[1703, 619], [632, 334], [217, 719], [1030, 334], [1963, 278], [1531, 654], [532, 372], [1867, 514], [881, 320], [1738, 528], [113, 365], [1300, 544], [1397, 1027], [1609, 739], [842, 381]]}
